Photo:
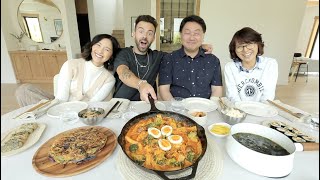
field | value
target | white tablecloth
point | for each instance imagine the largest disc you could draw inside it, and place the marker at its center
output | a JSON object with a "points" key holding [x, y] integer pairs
{"points": [[19, 166]]}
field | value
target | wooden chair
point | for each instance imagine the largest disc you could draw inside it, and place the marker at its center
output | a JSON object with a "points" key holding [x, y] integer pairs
{"points": [[296, 65]]}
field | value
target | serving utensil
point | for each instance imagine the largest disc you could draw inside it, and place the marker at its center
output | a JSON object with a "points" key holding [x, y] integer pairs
{"points": [[222, 105], [297, 115], [226, 107]]}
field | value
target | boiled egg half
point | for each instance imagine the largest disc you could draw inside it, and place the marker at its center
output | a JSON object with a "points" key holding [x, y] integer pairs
{"points": [[154, 132], [166, 130], [164, 144], [175, 139]]}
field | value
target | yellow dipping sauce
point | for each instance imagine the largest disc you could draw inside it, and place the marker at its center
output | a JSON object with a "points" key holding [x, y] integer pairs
{"points": [[220, 129]]}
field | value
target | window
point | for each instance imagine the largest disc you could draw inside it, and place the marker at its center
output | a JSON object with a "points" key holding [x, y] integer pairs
{"points": [[33, 28], [170, 15], [315, 48], [313, 45]]}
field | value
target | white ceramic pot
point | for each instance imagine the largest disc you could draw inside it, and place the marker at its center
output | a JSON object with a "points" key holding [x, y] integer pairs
{"points": [[259, 163]]}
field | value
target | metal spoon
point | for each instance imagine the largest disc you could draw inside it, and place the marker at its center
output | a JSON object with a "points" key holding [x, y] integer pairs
{"points": [[222, 105]]}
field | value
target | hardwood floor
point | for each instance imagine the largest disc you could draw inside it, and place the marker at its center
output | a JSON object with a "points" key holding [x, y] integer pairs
{"points": [[8, 99], [301, 94]]}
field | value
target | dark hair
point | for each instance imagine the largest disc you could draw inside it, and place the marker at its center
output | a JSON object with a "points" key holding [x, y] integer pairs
{"points": [[87, 48], [193, 18], [147, 18], [245, 35]]}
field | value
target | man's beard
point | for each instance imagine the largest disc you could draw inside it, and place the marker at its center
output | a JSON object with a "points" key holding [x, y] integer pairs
{"points": [[142, 50]]}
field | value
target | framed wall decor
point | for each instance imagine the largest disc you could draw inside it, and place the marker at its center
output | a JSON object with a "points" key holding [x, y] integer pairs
{"points": [[58, 26], [133, 23]]}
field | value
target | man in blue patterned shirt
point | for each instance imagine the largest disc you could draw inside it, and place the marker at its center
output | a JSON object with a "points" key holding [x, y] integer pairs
{"points": [[189, 72]]}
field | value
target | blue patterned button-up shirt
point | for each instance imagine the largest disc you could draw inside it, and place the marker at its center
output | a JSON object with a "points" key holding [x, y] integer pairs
{"points": [[190, 77]]}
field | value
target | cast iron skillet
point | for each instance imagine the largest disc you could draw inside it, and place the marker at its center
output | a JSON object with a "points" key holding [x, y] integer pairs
{"points": [[178, 117]]}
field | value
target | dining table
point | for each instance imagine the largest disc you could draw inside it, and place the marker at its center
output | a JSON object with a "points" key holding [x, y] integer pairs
{"points": [[19, 166]]}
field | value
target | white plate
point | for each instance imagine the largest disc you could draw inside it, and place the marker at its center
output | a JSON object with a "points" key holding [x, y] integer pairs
{"points": [[257, 108], [203, 104], [142, 107], [32, 139], [76, 106]]}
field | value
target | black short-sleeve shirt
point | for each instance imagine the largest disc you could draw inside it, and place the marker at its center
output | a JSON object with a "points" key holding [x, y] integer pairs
{"points": [[149, 73]]}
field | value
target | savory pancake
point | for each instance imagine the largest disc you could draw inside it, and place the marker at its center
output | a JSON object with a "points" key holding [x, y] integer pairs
{"points": [[18, 138], [77, 146]]}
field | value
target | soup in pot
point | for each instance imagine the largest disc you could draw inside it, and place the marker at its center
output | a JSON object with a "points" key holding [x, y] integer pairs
{"points": [[260, 144]]}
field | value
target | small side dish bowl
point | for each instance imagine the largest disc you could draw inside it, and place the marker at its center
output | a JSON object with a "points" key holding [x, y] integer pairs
{"points": [[129, 115], [233, 116], [198, 116], [91, 116], [219, 129]]}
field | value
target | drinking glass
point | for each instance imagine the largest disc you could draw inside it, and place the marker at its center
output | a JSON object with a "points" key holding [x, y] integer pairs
{"points": [[177, 104], [68, 119], [313, 121]]}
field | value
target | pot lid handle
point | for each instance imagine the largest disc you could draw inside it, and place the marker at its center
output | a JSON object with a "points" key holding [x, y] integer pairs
{"points": [[310, 146]]}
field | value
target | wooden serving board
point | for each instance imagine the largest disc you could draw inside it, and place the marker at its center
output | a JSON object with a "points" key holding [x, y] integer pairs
{"points": [[43, 165]]}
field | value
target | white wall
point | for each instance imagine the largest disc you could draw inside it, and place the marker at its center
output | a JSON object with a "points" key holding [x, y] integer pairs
{"points": [[107, 19], [70, 28], [134, 9], [7, 74], [278, 21]]}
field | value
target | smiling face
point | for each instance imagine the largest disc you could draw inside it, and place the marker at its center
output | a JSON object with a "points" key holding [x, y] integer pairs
{"points": [[144, 36], [247, 52], [192, 36], [101, 52]]}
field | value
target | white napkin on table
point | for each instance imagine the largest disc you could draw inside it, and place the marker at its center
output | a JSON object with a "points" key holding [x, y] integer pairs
{"points": [[38, 112], [116, 113], [293, 109]]}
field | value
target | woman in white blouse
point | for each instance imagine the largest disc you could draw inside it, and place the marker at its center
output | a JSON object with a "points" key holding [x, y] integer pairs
{"points": [[88, 78]]}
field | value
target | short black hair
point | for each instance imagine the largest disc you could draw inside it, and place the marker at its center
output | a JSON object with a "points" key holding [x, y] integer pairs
{"points": [[193, 18], [87, 48], [245, 35], [147, 18]]}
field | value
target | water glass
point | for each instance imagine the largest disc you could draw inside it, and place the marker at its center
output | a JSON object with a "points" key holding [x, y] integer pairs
{"points": [[314, 123], [69, 118], [177, 104]]}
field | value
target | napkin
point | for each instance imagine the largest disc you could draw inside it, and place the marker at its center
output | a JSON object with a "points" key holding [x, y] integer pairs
{"points": [[288, 116], [38, 112], [116, 112]]}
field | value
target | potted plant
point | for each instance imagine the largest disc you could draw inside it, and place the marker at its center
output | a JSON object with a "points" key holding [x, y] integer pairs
{"points": [[19, 38]]}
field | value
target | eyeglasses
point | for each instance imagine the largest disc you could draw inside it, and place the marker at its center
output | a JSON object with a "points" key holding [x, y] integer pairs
{"points": [[248, 46]]}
